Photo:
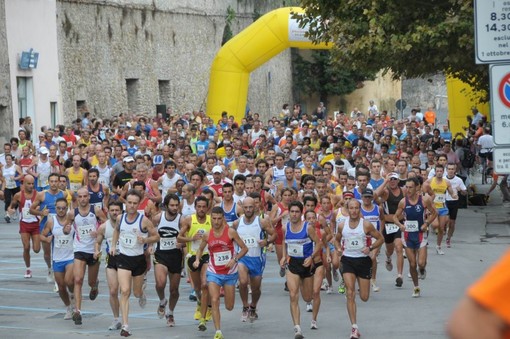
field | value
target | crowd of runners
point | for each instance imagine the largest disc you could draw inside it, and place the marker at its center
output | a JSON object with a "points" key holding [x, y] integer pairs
{"points": [[324, 195]]}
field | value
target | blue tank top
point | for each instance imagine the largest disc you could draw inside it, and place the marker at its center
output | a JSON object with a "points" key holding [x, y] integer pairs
{"points": [[96, 198], [299, 245], [230, 216], [376, 183], [357, 194], [415, 212], [372, 216], [294, 184], [49, 202]]}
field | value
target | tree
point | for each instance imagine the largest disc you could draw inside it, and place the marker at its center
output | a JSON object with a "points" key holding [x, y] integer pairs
{"points": [[410, 38], [320, 75]]}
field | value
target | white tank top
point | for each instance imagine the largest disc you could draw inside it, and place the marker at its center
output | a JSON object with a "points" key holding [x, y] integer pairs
{"points": [[354, 240], [104, 175], [108, 235], [43, 171], [251, 235], [62, 243], [128, 238], [187, 209], [84, 225], [9, 173], [167, 183], [278, 174], [168, 231]]}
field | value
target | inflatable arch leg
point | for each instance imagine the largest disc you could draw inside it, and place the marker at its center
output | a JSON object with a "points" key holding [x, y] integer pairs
{"points": [[259, 42]]}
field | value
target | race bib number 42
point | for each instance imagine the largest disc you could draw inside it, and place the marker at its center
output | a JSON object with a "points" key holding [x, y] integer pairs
{"points": [[354, 243]]}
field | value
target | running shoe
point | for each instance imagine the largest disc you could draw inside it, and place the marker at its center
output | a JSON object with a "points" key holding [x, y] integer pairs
{"points": [[28, 274], [341, 287], [170, 321], [115, 326], [439, 250], [309, 307], [49, 278], [324, 286], [329, 290], [389, 264], [313, 325], [244, 314], [161, 309], [193, 296], [336, 276], [404, 253], [69, 313], [142, 301], [124, 332], [7, 219], [55, 287], [183, 273], [252, 314], [77, 318], [416, 292], [355, 333], [94, 291], [219, 335], [399, 282], [423, 274], [298, 334], [375, 288], [198, 313], [144, 284], [282, 272], [202, 326], [208, 314], [448, 243]]}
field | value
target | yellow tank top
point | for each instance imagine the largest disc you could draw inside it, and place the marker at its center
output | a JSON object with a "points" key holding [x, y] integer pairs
{"points": [[439, 190], [75, 179], [94, 161], [199, 228], [69, 198]]}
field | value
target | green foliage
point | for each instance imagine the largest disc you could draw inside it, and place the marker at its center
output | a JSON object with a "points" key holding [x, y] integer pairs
{"points": [[411, 38], [227, 31], [323, 76]]}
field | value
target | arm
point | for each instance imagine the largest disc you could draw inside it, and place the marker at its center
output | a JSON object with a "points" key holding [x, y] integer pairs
{"points": [[14, 203], [153, 235], [200, 250], [429, 205], [271, 234], [184, 229], [312, 234], [47, 229], [451, 191], [232, 234], [99, 240], [398, 214], [116, 234], [34, 208], [373, 232], [156, 197], [100, 214]]}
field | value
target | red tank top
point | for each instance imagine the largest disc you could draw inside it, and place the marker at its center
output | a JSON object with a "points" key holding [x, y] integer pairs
{"points": [[156, 175], [26, 203], [24, 163], [282, 209], [143, 205], [221, 250]]}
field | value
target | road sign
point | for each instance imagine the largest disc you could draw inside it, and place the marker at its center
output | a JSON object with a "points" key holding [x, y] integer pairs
{"points": [[492, 31], [401, 104], [500, 103], [501, 160]]}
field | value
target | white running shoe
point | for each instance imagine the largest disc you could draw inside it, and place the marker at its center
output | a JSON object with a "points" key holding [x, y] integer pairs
{"points": [[115, 326], [28, 274], [416, 292], [439, 250], [309, 307], [313, 325], [69, 313], [336, 276], [55, 288], [50, 278]]}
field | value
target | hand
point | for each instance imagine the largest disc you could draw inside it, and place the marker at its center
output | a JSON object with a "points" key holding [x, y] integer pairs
{"points": [[366, 250], [45, 211], [196, 237], [140, 239], [402, 227], [196, 263], [10, 210], [328, 259], [97, 254], [67, 229], [230, 263], [93, 234], [151, 249], [49, 238], [308, 262], [112, 250], [283, 262], [261, 243]]}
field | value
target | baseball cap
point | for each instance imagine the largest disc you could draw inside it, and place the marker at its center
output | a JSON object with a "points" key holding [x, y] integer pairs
{"points": [[44, 150], [158, 159], [348, 194], [129, 159], [160, 129], [131, 138], [393, 175], [367, 192], [217, 169]]}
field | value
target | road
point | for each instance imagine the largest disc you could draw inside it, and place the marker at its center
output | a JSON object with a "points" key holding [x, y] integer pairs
{"points": [[30, 309]]}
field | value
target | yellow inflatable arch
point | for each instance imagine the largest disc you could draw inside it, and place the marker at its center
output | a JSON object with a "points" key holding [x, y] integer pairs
{"points": [[256, 44]]}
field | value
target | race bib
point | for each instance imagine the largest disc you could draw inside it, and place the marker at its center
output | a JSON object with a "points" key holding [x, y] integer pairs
{"points": [[75, 186], [391, 228], [354, 243], [222, 258], [43, 180], [166, 244], [64, 241], [250, 242], [440, 198], [85, 231], [128, 239], [295, 250], [10, 183], [25, 213], [412, 226], [97, 204]]}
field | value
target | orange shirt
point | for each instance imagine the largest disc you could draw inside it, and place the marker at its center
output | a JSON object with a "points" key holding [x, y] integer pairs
{"points": [[430, 117], [492, 292]]}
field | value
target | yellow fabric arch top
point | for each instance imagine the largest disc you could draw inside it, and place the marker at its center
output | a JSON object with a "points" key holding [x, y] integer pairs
{"points": [[230, 71]]}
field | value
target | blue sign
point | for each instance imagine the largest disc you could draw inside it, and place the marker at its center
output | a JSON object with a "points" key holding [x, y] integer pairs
{"points": [[29, 59]]}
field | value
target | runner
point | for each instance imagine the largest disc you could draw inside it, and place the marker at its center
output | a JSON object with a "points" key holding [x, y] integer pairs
{"points": [[279, 217], [222, 268], [301, 245], [257, 233], [76, 174], [231, 209], [453, 204], [133, 230], [168, 256], [105, 231], [59, 232], [99, 193], [415, 228], [353, 240]]}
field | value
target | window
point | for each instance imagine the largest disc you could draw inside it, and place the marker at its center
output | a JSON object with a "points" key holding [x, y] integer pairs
{"points": [[53, 114], [25, 97], [132, 89], [81, 107], [164, 92]]}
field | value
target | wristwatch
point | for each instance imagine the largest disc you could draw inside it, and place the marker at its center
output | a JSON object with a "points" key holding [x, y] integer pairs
{"points": [[235, 259]]}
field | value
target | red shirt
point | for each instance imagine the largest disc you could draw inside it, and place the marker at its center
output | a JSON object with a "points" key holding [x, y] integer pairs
{"points": [[221, 250]]}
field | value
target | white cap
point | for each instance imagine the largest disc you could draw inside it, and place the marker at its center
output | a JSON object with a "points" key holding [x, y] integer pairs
{"points": [[129, 159], [131, 138], [44, 150], [217, 169]]}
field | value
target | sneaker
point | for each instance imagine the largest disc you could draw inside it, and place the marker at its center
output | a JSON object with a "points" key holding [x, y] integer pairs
{"points": [[77, 318], [375, 288], [448, 243], [142, 301], [193, 297], [49, 278], [282, 272], [324, 286], [69, 314], [7, 219], [309, 307], [219, 335], [399, 282], [389, 265], [355, 333], [201, 325], [115, 326], [409, 275], [55, 288], [252, 314], [405, 255], [298, 334], [94, 291], [170, 321], [144, 284], [416, 292], [28, 274], [124, 332], [183, 273], [329, 290], [439, 250], [336, 276], [422, 273], [161, 309], [341, 287], [286, 288], [208, 314], [313, 325], [198, 313], [244, 314]]}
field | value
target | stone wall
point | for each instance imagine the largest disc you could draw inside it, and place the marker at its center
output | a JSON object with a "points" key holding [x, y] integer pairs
{"points": [[427, 92], [6, 127], [160, 50]]}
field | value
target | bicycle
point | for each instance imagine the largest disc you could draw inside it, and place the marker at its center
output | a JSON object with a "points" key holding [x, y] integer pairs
{"points": [[486, 170]]}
